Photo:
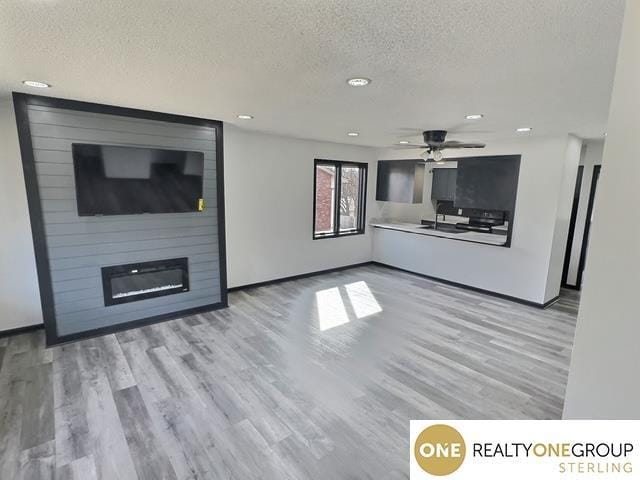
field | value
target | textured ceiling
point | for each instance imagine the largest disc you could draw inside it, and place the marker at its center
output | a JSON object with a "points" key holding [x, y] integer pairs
{"points": [[547, 64]]}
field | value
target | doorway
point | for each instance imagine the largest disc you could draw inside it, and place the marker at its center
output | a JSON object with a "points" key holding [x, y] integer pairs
{"points": [[587, 225], [572, 227]]}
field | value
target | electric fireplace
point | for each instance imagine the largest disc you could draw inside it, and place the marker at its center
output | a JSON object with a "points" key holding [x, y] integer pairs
{"points": [[140, 281]]}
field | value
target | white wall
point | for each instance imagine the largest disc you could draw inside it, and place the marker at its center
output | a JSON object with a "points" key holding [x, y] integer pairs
{"points": [[269, 207], [19, 293], [604, 380], [548, 166], [592, 157]]}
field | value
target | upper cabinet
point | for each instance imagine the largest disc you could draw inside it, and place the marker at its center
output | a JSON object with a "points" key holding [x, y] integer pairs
{"points": [[400, 181], [488, 183], [443, 185]]}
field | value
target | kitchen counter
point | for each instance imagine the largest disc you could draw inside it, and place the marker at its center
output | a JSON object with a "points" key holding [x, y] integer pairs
{"points": [[475, 237]]}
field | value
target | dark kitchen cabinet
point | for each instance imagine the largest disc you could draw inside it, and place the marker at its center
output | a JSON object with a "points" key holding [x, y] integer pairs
{"points": [[443, 186], [400, 181], [488, 183]]}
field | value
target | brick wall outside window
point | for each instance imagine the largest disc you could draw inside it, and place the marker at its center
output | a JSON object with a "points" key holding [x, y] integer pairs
{"points": [[325, 180]]}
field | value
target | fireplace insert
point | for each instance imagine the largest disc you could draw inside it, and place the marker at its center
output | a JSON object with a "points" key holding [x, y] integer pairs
{"points": [[140, 281]]}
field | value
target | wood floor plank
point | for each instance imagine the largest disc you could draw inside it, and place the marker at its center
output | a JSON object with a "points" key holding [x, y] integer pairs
{"points": [[12, 391], [81, 469], [38, 463], [106, 433], [3, 349], [71, 427], [184, 440], [114, 363], [150, 460], [38, 425]]}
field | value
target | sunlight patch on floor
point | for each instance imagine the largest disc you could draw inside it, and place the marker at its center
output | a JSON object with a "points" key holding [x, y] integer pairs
{"points": [[332, 311], [362, 300]]}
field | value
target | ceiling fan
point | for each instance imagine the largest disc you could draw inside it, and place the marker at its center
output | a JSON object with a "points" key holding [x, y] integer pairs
{"points": [[434, 143]]}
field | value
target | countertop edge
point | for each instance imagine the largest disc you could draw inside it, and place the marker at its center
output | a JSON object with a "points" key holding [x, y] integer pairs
{"points": [[414, 230]]}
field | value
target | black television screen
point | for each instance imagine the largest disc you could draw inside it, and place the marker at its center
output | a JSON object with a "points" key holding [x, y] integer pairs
{"points": [[115, 180]]}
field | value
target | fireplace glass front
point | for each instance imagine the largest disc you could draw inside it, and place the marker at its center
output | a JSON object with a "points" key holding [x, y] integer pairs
{"points": [[140, 281]]}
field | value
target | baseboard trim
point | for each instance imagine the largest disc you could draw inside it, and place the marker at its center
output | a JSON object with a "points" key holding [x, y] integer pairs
{"points": [[298, 277], [120, 327], [473, 289], [570, 287], [548, 303], [17, 331]]}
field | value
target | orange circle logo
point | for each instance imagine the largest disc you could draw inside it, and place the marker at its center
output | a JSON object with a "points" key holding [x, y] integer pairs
{"points": [[440, 450]]}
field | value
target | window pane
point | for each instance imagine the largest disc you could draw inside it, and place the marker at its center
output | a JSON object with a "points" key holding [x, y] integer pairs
{"points": [[325, 199], [349, 198]]}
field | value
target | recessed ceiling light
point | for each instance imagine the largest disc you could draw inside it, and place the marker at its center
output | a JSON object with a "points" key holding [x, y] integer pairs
{"points": [[404, 142], [523, 129], [474, 116], [33, 83], [245, 117], [358, 82], [353, 134]]}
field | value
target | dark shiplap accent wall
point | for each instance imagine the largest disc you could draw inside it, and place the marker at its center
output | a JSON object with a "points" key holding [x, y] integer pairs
{"points": [[79, 246]]}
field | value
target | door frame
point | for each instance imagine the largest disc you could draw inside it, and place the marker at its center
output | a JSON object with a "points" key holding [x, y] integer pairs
{"points": [[587, 224], [572, 228]]}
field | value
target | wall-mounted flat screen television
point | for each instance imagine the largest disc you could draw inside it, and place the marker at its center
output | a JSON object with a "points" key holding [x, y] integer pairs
{"points": [[118, 180]]}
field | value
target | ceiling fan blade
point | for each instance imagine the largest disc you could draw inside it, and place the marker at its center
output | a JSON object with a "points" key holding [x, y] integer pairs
{"points": [[410, 145], [454, 144]]}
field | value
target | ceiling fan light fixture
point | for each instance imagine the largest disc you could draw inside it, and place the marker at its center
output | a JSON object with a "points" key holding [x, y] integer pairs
{"points": [[474, 116], [358, 81], [435, 141]]}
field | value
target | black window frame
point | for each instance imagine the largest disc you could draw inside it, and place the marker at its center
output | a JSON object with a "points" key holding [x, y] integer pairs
{"points": [[362, 196]]}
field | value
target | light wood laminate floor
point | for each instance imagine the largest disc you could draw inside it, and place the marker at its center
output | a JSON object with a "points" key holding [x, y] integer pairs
{"points": [[308, 379]]}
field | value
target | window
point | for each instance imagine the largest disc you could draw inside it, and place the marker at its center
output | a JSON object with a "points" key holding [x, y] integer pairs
{"points": [[339, 198]]}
